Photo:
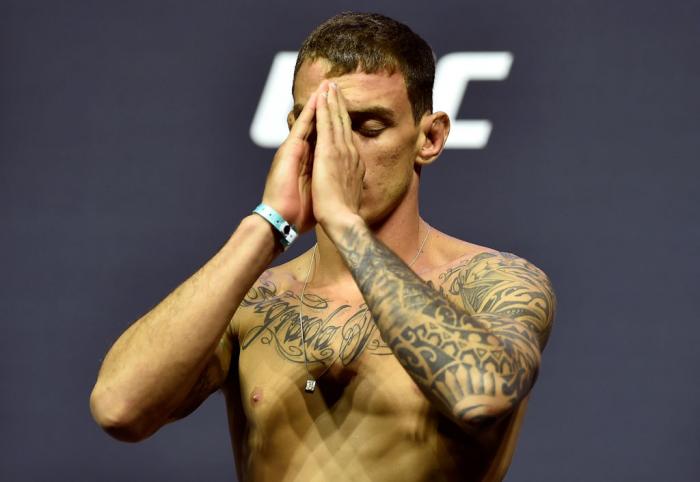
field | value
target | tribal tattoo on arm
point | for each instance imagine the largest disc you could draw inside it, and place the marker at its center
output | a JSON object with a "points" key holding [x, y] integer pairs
{"points": [[477, 361]]}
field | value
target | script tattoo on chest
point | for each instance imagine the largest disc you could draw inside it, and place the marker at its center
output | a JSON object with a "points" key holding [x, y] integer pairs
{"points": [[330, 332]]}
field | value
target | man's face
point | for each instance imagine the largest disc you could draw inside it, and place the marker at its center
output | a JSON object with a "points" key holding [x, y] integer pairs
{"points": [[384, 131]]}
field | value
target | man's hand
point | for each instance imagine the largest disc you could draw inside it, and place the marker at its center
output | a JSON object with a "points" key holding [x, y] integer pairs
{"points": [[337, 171], [288, 184]]}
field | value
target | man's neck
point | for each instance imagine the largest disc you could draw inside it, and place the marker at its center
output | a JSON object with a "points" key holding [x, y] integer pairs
{"points": [[402, 232]]}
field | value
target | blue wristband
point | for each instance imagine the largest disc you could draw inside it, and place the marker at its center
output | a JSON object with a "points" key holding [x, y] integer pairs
{"points": [[287, 231]]}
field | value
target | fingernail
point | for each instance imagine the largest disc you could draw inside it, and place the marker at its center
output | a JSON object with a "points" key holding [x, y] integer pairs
{"points": [[334, 86]]}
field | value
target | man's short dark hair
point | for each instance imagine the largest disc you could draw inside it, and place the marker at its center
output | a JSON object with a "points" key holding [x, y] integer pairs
{"points": [[374, 43]]}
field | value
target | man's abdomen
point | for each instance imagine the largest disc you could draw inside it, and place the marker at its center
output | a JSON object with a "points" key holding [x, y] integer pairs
{"points": [[368, 421]]}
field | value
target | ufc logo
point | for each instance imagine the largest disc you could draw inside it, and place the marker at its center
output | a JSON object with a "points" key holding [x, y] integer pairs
{"points": [[453, 73]]}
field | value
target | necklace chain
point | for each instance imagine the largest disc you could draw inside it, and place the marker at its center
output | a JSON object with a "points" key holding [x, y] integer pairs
{"points": [[310, 379]]}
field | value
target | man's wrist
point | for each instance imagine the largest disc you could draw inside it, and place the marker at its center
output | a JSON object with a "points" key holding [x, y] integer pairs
{"points": [[254, 224], [339, 225], [286, 231]]}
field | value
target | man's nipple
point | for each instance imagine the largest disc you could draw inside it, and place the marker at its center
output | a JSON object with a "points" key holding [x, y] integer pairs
{"points": [[256, 396]]}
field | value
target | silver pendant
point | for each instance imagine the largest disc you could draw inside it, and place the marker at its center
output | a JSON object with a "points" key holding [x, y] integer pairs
{"points": [[310, 385]]}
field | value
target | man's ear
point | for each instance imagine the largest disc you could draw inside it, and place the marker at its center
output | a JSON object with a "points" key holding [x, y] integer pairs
{"points": [[434, 129]]}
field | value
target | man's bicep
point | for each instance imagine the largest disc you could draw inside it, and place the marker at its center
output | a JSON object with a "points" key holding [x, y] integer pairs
{"points": [[513, 300], [512, 290]]}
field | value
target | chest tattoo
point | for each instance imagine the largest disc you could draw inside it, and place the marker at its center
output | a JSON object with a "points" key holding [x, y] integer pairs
{"points": [[330, 330]]}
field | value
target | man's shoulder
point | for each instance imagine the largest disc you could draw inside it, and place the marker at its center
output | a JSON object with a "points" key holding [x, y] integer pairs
{"points": [[280, 283], [462, 263], [451, 253], [500, 282], [479, 262], [458, 254]]}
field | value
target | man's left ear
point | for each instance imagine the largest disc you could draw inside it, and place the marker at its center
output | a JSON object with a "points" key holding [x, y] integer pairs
{"points": [[434, 129]]}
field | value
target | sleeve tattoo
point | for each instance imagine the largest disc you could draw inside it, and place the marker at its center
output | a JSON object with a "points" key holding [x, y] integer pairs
{"points": [[477, 361]]}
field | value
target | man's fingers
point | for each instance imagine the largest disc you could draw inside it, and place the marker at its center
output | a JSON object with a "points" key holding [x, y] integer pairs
{"points": [[335, 115], [303, 125], [324, 128], [345, 118]]}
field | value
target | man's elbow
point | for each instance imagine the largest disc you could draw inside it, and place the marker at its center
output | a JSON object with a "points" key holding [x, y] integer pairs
{"points": [[118, 418], [480, 412]]}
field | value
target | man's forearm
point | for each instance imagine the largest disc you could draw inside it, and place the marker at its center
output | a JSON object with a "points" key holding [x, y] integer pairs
{"points": [[440, 346], [152, 365]]}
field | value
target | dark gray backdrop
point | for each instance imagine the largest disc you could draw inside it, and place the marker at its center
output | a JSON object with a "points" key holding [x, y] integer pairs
{"points": [[126, 162]]}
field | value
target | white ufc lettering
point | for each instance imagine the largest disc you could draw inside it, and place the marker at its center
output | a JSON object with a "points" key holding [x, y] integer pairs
{"points": [[453, 73]]}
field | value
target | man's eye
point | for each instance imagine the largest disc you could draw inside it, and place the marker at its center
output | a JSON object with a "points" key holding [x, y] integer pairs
{"points": [[369, 130]]}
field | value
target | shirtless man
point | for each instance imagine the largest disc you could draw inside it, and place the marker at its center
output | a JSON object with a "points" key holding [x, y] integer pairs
{"points": [[390, 351]]}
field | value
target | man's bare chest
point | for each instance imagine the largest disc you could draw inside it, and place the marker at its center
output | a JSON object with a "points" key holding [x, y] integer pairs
{"points": [[332, 341], [319, 335], [330, 335], [363, 391]]}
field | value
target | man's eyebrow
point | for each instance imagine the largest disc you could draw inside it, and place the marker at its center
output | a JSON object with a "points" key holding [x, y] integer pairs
{"points": [[373, 111]]}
